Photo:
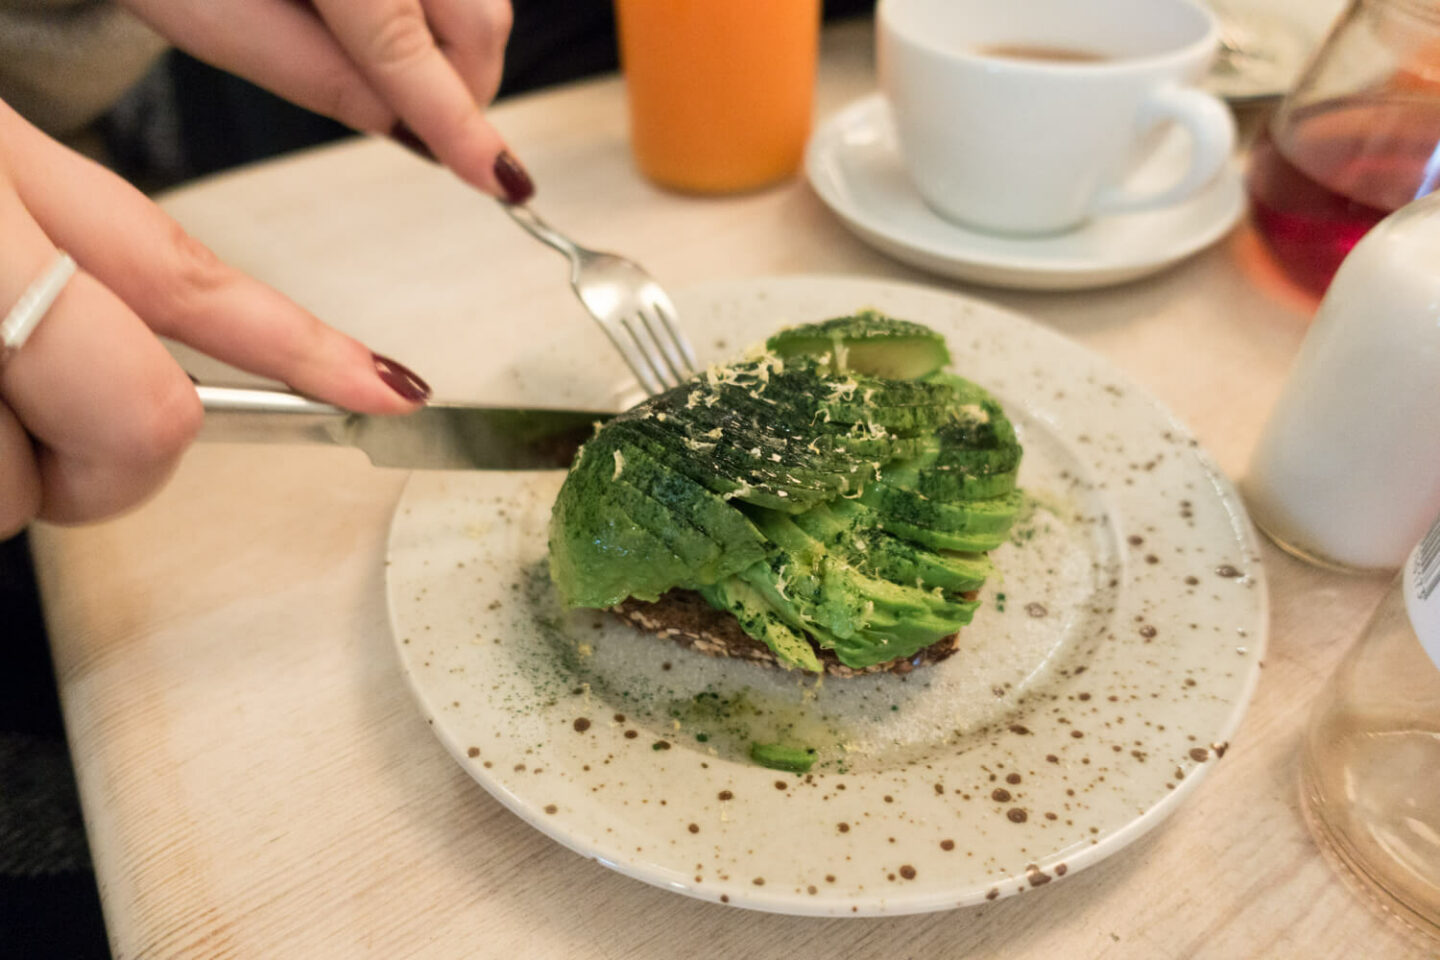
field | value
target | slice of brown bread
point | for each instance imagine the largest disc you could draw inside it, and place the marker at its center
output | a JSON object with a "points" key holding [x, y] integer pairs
{"points": [[685, 617]]}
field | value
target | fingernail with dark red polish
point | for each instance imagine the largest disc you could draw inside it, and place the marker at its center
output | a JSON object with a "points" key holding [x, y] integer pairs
{"points": [[403, 135], [401, 379], [513, 179]]}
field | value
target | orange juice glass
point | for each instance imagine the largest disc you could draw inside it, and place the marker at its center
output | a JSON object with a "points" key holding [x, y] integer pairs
{"points": [[720, 91]]}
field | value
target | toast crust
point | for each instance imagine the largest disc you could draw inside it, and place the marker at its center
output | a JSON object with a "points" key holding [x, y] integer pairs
{"points": [[684, 617]]}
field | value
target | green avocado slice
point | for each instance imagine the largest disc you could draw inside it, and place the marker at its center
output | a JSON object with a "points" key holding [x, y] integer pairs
{"points": [[681, 497], [703, 558], [931, 480], [761, 621], [599, 555], [759, 447], [842, 606], [868, 342], [971, 525], [850, 529], [780, 756], [881, 644]]}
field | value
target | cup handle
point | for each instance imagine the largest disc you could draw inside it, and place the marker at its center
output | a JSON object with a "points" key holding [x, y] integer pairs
{"points": [[1212, 135]]}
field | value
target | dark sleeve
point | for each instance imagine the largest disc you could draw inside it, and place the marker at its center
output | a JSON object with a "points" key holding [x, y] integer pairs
{"points": [[558, 40]]}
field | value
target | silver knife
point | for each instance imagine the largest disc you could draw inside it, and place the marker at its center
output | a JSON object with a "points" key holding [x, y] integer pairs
{"points": [[440, 436]]}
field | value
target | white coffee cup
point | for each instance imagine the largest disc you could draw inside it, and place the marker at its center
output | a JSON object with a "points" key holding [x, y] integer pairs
{"points": [[1030, 144]]}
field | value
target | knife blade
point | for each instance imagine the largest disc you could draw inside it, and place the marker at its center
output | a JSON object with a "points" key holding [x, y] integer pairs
{"points": [[439, 436]]}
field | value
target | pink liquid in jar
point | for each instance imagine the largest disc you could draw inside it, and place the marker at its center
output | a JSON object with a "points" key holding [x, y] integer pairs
{"points": [[1333, 170]]}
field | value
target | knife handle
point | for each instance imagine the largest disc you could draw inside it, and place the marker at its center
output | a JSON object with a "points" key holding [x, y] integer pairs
{"points": [[252, 415]]}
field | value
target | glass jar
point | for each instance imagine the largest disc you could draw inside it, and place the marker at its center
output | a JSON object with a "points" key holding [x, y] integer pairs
{"points": [[1354, 140], [1370, 770]]}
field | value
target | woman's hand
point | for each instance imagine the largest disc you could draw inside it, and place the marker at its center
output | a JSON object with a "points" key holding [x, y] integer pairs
{"points": [[420, 71], [94, 413]]}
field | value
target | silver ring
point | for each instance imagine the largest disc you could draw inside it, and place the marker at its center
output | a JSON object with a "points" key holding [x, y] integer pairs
{"points": [[33, 304]]}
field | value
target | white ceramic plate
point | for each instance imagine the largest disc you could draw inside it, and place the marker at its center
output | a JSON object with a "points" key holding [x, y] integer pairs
{"points": [[853, 163], [1081, 708]]}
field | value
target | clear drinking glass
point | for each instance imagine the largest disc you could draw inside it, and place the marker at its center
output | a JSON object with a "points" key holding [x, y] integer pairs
{"points": [[720, 91], [1354, 140], [1371, 763]]}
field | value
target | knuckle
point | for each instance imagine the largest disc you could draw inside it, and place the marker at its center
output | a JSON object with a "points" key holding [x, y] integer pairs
{"points": [[306, 342], [343, 96], [401, 37], [166, 425], [194, 271], [501, 18], [309, 351], [484, 33]]}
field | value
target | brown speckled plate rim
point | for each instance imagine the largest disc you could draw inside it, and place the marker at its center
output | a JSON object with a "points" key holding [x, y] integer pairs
{"points": [[736, 892]]}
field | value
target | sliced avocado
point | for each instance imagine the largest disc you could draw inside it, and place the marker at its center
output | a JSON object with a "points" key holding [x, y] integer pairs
{"points": [[730, 529], [599, 555], [879, 644], [903, 407], [701, 556], [608, 531], [737, 472], [966, 391], [850, 529], [944, 484], [867, 342], [779, 756], [744, 437], [902, 561], [760, 620], [835, 493], [950, 484], [978, 449], [774, 444], [969, 525], [843, 607]]}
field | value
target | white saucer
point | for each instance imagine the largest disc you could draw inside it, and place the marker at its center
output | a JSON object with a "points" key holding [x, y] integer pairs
{"points": [[854, 165], [1269, 44]]}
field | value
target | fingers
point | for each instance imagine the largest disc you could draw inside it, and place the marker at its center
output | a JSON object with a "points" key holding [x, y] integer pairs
{"points": [[279, 45], [392, 43], [183, 290], [107, 407], [19, 477], [94, 412], [110, 408], [472, 35], [374, 65]]}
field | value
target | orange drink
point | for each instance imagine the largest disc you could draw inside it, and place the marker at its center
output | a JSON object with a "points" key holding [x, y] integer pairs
{"points": [[720, 91]]}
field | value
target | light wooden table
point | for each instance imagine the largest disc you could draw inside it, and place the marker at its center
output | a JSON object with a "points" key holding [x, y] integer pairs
{"points": [[256, 779]]}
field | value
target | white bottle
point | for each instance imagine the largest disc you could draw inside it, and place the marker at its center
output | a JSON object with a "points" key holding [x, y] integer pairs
{"points": [[1347, 471]]}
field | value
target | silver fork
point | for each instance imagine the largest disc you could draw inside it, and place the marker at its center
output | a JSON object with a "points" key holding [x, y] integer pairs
{"points": [[633, 310]]}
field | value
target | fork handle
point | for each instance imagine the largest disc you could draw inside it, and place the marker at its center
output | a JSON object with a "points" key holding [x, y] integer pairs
{"points": [[542, 231]]}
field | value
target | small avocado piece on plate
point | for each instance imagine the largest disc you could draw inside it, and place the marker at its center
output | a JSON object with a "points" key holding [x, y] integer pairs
{"points": [[867, 342], [778, 756]]}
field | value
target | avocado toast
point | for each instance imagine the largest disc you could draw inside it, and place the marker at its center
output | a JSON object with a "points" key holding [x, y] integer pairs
{"points": [[824, 505]]}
